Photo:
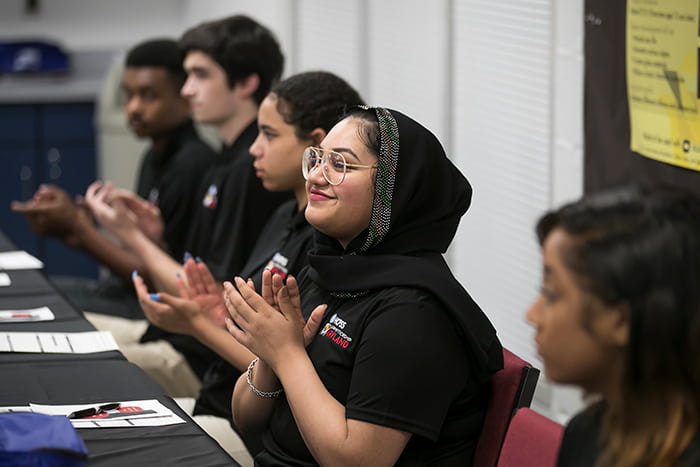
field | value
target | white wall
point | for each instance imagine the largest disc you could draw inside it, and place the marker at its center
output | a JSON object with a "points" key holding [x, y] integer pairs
{"points": [[320, 43], [275, 14], [93, 24], [499, 82]]}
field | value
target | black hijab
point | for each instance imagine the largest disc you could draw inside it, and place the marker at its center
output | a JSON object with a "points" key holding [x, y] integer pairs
{"points": [[419, 198]]}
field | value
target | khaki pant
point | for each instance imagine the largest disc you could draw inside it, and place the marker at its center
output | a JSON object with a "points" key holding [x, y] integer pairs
{"points": [[219, 429], [165, 365]]}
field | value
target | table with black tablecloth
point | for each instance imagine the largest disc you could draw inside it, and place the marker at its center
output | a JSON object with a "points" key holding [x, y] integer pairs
{"points": [[46, 378]]}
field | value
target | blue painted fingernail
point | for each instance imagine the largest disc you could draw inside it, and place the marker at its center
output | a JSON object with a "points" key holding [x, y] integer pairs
{"points": [[198, 259], [134, 275], [186, 256], [154, 296]]}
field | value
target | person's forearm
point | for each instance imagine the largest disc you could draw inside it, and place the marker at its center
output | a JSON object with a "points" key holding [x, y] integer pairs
{"points": [[318, 415], [117, 258], [333, 439], [251, 412], [159, 267]]}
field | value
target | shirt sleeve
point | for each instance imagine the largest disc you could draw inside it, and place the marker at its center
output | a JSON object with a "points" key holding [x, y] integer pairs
{"points": [[179, 194]]}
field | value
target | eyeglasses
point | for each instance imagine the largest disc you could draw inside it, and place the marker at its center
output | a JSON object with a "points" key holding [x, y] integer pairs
{"points": [[333, 164], [90, 411]]}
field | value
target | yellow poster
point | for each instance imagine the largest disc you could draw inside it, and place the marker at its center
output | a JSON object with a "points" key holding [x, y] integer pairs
{"points": [[663, 49]]}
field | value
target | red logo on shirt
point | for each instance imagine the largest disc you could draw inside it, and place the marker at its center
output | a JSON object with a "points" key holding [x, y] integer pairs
{"points": [[278, 265], [211, 198], [333, 330]]}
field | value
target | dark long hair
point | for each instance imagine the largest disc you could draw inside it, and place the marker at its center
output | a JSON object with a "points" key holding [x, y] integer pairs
{"points": [[640, 247]]}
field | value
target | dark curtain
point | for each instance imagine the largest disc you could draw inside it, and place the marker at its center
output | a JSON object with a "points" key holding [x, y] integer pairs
{"points": [[608, 160]]}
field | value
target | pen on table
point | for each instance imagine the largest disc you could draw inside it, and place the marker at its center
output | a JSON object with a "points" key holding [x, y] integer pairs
{"points": [[16, 316], [90, 411]]}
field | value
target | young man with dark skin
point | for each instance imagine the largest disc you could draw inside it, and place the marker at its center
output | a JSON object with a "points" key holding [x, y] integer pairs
{"points": [[170, 171]]}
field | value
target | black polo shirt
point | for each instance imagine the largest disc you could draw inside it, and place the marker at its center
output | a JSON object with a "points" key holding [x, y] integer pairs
{"points": [[171, 177], [393, 358], [282, 247], [230, 211]]}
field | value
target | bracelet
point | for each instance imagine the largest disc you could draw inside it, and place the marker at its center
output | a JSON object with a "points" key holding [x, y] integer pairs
{"points": [[258, 392]]}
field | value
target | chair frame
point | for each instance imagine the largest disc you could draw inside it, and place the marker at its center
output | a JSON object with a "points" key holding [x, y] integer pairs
{"points": [[485, 455], [526, 389]]}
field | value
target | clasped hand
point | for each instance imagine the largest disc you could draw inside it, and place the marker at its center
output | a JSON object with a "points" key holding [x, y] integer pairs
{"points": [[120, 211], [270, 325], [52, 212]]}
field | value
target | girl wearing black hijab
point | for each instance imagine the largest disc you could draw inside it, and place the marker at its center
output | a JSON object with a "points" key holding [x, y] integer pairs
{"points": [[378, 356]]}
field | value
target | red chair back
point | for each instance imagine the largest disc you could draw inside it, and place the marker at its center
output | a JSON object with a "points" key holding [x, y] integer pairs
{"points": [[532, 439], [511, 388]]}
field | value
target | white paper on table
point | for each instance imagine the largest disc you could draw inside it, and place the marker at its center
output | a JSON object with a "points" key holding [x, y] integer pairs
{"points": [[57, 342], [5, 279], [11, 260], [129, 414], [13, 409], [42, 313]]}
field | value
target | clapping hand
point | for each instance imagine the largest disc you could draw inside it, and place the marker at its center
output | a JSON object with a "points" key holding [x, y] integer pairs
{"points": [[111, 214], [271, 323], [148, 216], [52, 212]]}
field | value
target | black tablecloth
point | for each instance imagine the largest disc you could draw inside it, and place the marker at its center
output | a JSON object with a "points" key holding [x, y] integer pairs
{"points": [[5, 243], [93, 378], [107, 381], [68, 319], [61, 308], [26, 283]]}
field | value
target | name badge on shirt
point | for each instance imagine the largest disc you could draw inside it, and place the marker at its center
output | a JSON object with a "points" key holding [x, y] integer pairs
{"points": [[278, 265], [211, 199], [153, 195]]}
